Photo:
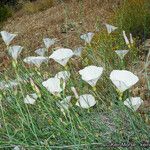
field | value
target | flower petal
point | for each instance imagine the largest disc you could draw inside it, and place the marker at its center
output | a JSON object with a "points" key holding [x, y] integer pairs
{"points": [[49, 42], [125, 38], [65, 75], [53, 85], [121, 53], [86, 101], [15, 51], [91, 74], [30, 99], [110, 28], [62, 55], [87, 37], [7, 37], [40, 51], [78, 51], [65, 103], [133, 102], [123, 79], [35, 60]]}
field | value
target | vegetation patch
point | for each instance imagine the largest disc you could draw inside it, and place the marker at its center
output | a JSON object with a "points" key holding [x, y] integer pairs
{"points": [[5, 13], [93, 96], [134, 17], [36, 6]]}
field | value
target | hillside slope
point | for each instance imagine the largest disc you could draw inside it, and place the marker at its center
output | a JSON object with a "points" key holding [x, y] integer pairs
{"points": [[64, 21]]}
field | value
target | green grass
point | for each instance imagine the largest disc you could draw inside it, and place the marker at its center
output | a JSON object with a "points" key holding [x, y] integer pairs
{"points": [[44, 126], [134, 16], [5, 13]]}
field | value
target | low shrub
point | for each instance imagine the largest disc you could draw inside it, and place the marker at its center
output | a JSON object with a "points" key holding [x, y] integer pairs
{"points": [[134, 16], [9, 2], [102, 50], [5, 12], [35, 6]]}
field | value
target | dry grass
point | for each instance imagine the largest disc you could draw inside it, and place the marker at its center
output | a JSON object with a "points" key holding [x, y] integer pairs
{"points": [[39, 5], [76, 17]]}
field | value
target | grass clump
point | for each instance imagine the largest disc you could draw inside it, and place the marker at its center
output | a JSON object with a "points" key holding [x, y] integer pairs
{"points": [[39, 5], [134, 17], [5, 12]]}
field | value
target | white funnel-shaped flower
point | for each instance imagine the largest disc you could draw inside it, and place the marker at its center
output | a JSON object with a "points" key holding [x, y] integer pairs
{"points": [[110, 28], [54, 86], [91, 74], [14, 51], [125, 38], [87, 37], [30, 99], [131, 39], [65, 103], [123, 79], [75, 92], [49, 42], [17, 148], [133, 102], [86, 101], [37, 61], [10, 84], [78, 51], [62, 55], [7, 37], [65, 75], [40, 51], [121, 53]]}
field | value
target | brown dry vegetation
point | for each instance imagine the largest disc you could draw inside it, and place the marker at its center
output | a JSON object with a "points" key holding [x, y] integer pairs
{"points": [[65, 21]]}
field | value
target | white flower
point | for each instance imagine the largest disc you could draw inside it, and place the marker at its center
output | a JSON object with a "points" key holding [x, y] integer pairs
{"points": [[123, 79], [15, 51], [78, 51], [75, 92], [87, 37], [125, 38], [16, 148], [91, 74], [110, 28], [65, 75], [49, 42], [65, 103], [54, 86], [7, 37], [40, 51], [133, 102], [30, 99], [62, 55], [131, 39], [10, 84], [86, 101], [35, 60], [34, 95], [121, 53]]}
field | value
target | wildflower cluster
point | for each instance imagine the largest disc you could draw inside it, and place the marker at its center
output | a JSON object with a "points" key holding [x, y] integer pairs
{"points": [[122, 79]]}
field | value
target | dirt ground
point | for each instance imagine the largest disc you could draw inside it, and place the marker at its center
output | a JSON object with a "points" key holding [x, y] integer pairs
{"points": [[64, 21]]}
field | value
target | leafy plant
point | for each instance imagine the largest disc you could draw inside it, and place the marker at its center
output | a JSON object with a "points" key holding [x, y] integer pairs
{"points": [[134, 16], [5, 12]]}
